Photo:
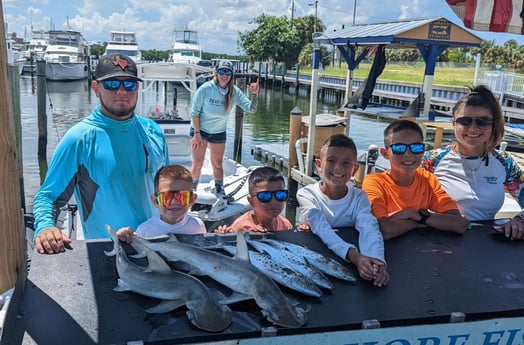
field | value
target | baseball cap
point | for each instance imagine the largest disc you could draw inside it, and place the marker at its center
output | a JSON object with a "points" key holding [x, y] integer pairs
{"points": [[116, 65], [225, 64]]}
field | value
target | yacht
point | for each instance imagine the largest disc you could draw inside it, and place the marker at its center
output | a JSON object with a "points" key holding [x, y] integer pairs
{"points": [[14, 56], [124, 42], [185, 47], [66, 55], [35, 50]]}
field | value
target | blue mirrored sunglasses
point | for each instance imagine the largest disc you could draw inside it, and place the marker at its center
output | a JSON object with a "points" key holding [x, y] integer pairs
{"points": [[227, 72], [415, 148], [114, 84], [266, 196]]}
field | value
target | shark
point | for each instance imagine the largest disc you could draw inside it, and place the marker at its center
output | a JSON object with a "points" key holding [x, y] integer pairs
{"points": [[174, 288], [237, 273]]}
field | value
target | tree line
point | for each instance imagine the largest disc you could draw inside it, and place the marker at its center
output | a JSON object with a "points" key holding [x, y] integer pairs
{"points": [[289, 41]]}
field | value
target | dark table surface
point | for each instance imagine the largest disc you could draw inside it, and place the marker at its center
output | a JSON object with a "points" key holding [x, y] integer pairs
{"points": [[69, 299]]}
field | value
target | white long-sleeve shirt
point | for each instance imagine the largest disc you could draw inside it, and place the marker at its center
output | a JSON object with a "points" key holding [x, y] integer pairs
{"points": [[325, 215]]}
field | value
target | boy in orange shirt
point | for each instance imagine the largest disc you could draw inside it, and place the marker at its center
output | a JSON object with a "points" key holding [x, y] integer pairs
{"points": [[406, 196]]}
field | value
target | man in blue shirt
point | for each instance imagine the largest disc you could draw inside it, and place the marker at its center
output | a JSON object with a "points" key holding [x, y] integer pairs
{"points": [[107, 161]]}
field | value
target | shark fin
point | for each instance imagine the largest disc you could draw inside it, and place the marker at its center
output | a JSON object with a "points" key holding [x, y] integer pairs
{"points": [[165, 306], [121, 286]]}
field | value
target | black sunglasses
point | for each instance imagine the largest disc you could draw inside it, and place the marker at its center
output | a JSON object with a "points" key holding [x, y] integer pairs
{"points": [[114, 84], [481, 122], [266, 196], [415, 148], [227, 72]]}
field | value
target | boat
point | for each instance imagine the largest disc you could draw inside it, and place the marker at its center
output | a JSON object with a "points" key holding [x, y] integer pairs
{"points": [[14, 57], [35, 50], [175, 123], [124, 42], [66, 56], [185, 47]]}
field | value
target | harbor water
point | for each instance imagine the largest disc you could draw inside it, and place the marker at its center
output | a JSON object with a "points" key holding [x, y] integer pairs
{"points": [[69, 102]]}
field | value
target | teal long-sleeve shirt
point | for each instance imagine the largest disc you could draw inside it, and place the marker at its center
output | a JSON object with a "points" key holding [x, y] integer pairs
{"points": [[109, 166], [208, 104]]}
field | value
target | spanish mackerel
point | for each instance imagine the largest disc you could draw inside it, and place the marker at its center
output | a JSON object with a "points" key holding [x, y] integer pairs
{"points": [[241, 276], [282, 274], [294, 261], [325, 264], [158, 280]]}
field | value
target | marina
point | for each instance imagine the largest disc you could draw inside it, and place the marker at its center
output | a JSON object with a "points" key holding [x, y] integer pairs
{"points": [[427, 301]]}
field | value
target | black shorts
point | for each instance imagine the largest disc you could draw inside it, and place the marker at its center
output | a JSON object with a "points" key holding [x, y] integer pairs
{"points": [[217, 138]]}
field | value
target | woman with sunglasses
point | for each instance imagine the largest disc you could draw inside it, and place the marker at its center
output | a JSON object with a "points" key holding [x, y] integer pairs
{"points": [[212, 104], [406, 197], [472, 171], [267, 196]]}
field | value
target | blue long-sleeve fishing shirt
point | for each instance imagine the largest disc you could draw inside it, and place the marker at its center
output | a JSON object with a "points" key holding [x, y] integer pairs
{"points": [[109, 165]]}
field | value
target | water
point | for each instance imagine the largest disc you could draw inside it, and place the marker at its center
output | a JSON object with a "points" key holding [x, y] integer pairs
{"points": [[69, 102]]}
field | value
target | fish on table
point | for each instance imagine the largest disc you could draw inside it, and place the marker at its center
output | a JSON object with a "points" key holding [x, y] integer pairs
{"points": [[245, 280], [321, 262], [282, 274], [174, 288], [294, 261]]}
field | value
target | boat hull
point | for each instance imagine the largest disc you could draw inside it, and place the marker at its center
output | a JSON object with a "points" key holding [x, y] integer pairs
{"points": [[66, 70]]}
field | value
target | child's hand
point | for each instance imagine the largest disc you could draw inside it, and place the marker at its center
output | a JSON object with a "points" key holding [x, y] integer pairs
{"points": [[303, 227], [125, 234], [223, 229], [372, 269]]}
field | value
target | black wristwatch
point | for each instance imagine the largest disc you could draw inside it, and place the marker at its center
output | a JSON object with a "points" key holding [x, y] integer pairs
{"points": [[424, 215]]}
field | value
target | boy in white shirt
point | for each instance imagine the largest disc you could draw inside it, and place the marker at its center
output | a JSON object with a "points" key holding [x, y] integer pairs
{"points": [[332, 203]]}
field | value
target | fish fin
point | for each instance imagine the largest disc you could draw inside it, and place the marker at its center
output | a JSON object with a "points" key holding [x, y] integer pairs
{"points": [[121, 286], [234, 298], [139, 255], [155, 263], [165, 306], [115, 241], [242, 252]]}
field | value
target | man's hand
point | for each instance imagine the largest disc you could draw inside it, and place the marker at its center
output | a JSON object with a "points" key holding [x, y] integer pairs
{"points": [[51, 241]]}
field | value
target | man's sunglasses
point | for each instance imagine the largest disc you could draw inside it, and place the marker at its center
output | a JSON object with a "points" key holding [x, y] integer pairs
{"points": [[415, 148], [114, 84], [481, 122], [266, 196], [182, 197], [227, 72]]}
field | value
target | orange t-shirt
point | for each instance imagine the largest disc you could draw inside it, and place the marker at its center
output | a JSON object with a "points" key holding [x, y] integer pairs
{"points": [[386, 197], [245, 222]]}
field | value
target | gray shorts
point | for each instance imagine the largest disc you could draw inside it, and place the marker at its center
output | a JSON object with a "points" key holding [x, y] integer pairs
{"points": [[216, 138]]}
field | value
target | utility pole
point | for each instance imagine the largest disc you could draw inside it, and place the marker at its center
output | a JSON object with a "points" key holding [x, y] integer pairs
{"points": [[354, 11], [316, 15]]}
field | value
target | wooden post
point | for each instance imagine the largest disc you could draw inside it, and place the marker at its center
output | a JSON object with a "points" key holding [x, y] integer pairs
{"points": [[14, 81], [295, 129], [42, 118], [239, 124], [12, 239]]}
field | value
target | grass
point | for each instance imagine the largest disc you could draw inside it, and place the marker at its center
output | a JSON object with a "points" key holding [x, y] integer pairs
{"points": [[448, 76]]}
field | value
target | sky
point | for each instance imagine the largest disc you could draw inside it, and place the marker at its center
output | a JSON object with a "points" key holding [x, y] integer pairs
{"points": [[216, 21]]}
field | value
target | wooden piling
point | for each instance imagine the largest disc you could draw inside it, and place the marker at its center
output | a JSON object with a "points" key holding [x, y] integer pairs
{"points": [[41, 88], [14, 81], [295, 129], [239, 124], [12, 239]]}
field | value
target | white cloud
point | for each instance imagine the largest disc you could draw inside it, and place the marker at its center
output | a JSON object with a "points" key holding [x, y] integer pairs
{"points": [[217, 23]]}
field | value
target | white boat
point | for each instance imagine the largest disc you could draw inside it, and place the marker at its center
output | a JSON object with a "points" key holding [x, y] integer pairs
{"points": [[14, 57], [35, 50], [66, 55], [124, 42], [175, 123], [185, 47]]}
